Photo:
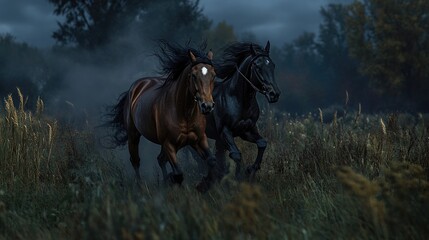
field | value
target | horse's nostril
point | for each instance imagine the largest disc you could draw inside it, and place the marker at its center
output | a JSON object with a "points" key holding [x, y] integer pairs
{"points": [[272, 94]]}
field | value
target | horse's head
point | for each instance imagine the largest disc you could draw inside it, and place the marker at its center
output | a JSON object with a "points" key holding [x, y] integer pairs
{"points": [[262, 73], [202, 81]]}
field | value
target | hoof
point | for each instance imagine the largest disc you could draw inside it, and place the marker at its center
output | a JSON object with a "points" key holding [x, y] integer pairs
{"points": [[175, 178], [138, 179], [204, 185], [239, 175], [249, 170], [250, 173], [219, 174]]}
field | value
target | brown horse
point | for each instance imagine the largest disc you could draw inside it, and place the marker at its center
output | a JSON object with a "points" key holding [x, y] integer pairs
{"points": [[169, 111]]}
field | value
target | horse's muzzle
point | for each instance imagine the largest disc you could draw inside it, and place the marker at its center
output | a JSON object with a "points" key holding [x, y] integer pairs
{"points": [[272, 96], [207, 107]]}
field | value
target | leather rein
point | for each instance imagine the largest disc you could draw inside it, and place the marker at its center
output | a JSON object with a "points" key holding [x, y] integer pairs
{"points": [[247, 79]]}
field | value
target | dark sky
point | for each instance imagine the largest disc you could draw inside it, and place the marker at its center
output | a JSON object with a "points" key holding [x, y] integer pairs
{"points": [[32, 21], [277, 20]]}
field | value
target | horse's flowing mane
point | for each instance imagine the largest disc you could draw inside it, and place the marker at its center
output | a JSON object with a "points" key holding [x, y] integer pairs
{"points": [[174, 58], [233, 56]]}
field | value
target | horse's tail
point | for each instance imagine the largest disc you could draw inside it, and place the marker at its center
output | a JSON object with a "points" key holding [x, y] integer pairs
{"points": [[117, 121]]}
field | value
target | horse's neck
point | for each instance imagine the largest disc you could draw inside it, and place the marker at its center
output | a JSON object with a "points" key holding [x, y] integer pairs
{"points": [[186, 106], [241, 88]]}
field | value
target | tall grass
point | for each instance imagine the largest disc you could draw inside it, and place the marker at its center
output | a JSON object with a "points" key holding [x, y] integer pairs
{"points": [[26, 144], [356, 176]]}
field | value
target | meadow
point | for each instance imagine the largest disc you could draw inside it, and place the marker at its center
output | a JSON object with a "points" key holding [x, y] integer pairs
{"points": [[344, 175]]}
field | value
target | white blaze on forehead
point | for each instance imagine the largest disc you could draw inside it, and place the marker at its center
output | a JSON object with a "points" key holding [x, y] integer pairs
{"points": [[204, 70]]}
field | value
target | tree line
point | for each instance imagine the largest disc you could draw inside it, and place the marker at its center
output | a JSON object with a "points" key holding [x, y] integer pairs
{"points": [[376, 50]]}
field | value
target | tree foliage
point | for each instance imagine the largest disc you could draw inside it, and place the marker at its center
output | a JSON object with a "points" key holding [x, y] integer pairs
{"points": [[376, 50], [332, 34], [299, 73], [220, 35], [178, 20], [390, 38], [93, 23], [340, 69], [27, 68]]}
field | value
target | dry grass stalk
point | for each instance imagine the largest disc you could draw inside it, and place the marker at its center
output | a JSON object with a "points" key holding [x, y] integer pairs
{"points": [[358, 113], [347, 98], [26, 146], [21, 100], [335, 119], [49, 134], [346, 103], [383, 126], [321, 116], [39, 106]]}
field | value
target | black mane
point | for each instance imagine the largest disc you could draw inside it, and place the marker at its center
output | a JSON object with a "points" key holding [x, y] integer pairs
{"points": [[233, 56], [174, 58]]}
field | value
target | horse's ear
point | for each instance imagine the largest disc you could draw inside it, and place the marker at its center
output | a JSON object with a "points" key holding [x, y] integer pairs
{"points": [[267, 47], [252, 49], [192, 56], [210, 55]]}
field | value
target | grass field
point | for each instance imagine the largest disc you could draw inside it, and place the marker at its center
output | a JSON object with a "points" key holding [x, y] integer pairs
{"points": [[355, 177]]}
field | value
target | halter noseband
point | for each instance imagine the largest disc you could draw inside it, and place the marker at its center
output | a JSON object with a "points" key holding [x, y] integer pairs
{"points": [[250, 65]]}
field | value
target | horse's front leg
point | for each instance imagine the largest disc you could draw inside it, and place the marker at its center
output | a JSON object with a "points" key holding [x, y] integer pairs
{"points": [[234, 153], [220, 159], [202, 148], [170, 152], [254, 137]]}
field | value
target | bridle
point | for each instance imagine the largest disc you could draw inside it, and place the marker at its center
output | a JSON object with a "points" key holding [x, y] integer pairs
{"points": [[251, 72]]}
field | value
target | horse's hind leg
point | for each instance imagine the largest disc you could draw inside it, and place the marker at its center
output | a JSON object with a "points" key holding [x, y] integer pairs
{"points": [[162, 160], [204, 151], [133, 148]]}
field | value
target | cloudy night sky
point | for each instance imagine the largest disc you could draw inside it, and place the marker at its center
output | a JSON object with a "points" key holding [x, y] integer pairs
{"points": [[280, 21]]}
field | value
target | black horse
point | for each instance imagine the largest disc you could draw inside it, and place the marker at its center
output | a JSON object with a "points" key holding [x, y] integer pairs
{"points": [[245, 69]]}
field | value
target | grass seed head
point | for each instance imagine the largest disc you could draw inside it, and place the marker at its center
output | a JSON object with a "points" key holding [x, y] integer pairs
{"points": [[321, 116], [383, 126]]}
